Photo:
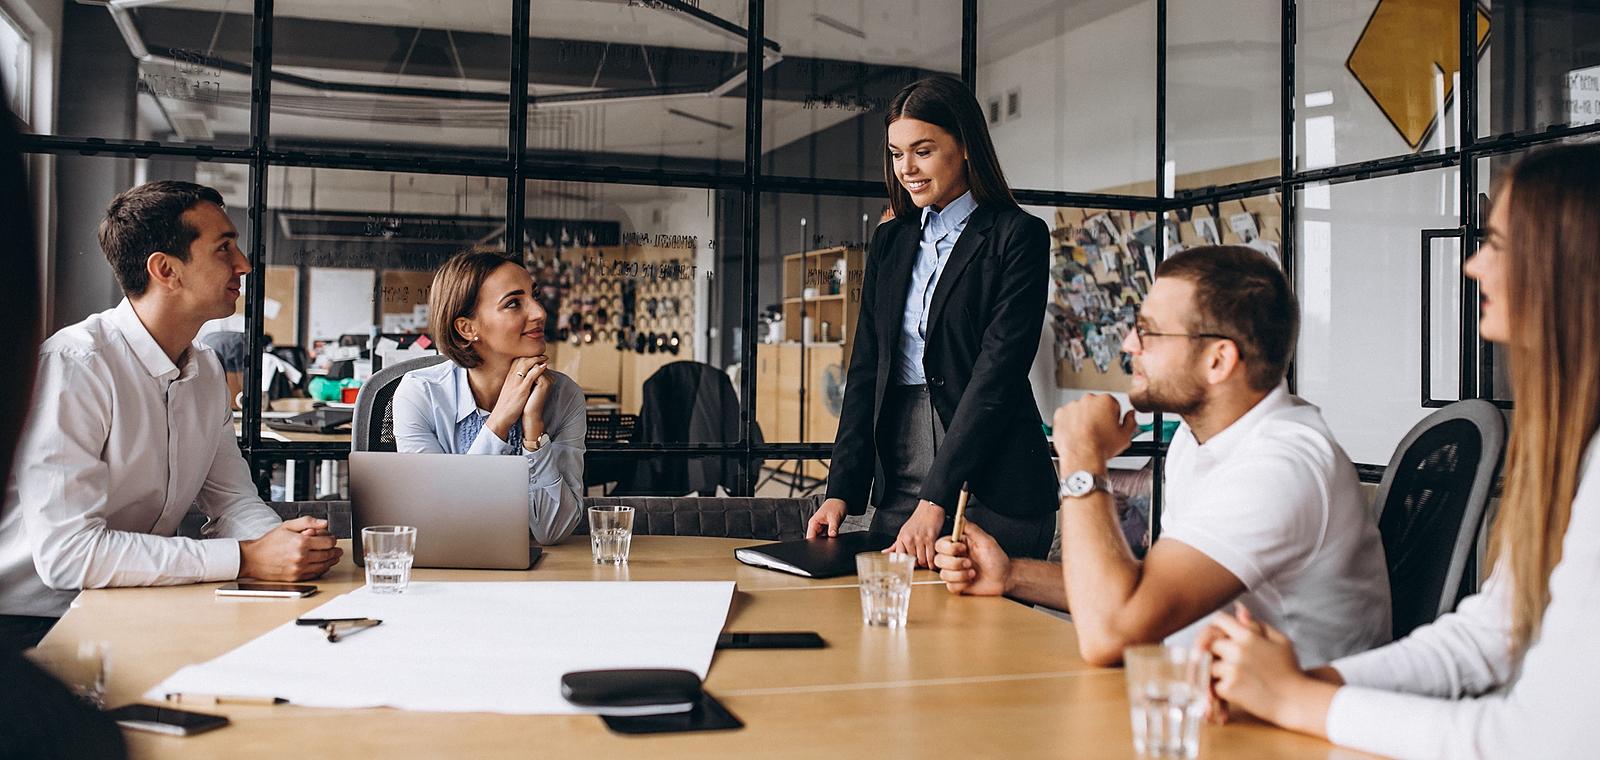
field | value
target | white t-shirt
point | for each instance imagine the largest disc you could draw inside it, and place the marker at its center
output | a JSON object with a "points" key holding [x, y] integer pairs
{"points": [[1275, 501]]}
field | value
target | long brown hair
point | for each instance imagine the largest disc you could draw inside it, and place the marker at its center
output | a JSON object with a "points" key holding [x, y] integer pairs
{"points": [[947, 104], [1553, 297], [454, 295]]}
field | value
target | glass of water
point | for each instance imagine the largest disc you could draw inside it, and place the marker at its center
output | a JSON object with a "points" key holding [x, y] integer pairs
{"points": [[610, 534], [1167, 689], [387, 551], [885, 587], [84, 669]]}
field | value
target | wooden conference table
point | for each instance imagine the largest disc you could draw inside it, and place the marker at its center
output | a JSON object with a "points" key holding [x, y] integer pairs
{"points": [[968, 677]]}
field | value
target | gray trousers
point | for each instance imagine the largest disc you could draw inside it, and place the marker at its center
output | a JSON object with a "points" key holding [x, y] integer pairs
{"points": [[909, 434]]}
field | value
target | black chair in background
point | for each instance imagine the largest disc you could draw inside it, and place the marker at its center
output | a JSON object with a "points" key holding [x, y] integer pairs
{"points": [[1432, 504], [375, 404], [686, 402]]}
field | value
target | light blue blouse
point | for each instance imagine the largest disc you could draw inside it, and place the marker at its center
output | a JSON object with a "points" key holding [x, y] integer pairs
{"points": [[940, 231], [433, 405]]}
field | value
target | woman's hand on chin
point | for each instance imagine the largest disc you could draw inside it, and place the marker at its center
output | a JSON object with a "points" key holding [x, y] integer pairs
{"points": [[514, 394]]}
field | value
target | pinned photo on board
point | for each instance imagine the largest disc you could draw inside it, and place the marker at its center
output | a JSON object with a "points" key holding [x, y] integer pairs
{"points": [[1243, 224], [1206, 229], [1103, 230]]}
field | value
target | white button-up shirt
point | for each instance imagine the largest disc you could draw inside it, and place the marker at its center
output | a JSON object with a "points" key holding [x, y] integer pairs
{"points": [[120, 443], [432, 402]]}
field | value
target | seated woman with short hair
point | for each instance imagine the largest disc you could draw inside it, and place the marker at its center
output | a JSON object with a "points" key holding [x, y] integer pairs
{"points": [[497, 395]]}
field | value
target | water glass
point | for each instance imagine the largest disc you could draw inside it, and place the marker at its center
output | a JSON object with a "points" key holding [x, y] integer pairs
{"points": [[83, 669], [388, 551], [885, 587], [610, 534], [1167, 689]]}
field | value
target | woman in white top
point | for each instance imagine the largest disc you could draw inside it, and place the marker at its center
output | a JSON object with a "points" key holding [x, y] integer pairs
{"points": [[1505, 674], [496, 395]]}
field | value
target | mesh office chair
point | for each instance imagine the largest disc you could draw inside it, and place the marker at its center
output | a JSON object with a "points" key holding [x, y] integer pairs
{"points": [[375, 403], [1432, 501]]}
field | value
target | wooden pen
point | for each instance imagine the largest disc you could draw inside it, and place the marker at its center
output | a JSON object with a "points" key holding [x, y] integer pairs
{"points": [[184, 698], [961, 514]]}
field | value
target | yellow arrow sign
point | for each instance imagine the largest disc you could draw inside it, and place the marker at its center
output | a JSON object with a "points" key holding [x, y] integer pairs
{"points": [[1407, 43]]}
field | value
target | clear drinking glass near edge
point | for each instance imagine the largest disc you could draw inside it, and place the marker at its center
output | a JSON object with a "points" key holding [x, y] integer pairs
{"points": [[387, 551], [84, 669], [1167, 687], [610, 534], [885, 581]]}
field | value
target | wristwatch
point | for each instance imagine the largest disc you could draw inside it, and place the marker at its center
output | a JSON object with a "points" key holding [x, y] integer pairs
{"points": [[1082, 483], [538, 443]]}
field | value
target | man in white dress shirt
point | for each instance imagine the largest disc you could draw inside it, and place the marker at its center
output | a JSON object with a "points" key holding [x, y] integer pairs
{"points": [[130, 425], [1262, 505]]}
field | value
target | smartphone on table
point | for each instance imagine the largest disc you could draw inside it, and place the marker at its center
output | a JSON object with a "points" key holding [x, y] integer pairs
{"points": [[278, 590], [165, 720]]}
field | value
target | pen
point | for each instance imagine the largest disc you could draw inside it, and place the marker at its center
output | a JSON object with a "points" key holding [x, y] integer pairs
{"points": [[222, 699], [335, 629], [325, 621]]}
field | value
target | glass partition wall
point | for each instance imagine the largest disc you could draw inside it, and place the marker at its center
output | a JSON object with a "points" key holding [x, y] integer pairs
{"points": [[699, 181]]}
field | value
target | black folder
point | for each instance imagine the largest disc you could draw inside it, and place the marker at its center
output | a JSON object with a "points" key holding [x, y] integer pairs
{"points": [[815, 557]]}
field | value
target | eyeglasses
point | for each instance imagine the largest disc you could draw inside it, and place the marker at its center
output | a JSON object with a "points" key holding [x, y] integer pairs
{"points": [[1142, 333]]}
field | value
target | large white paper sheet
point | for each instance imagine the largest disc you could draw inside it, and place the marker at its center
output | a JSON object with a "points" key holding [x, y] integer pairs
{"points": [[471, 647]]}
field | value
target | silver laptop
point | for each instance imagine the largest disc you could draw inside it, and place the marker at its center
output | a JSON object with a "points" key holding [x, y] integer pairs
{"points": [[469, 511]]}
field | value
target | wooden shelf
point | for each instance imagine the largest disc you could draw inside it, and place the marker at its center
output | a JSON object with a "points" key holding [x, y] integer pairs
{"points": [[813, 299]]}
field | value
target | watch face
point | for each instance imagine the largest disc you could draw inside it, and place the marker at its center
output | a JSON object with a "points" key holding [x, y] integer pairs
{"points": [[1080, 483]]}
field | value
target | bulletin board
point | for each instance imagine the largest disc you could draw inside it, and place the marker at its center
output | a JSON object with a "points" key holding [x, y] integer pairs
{"points": [[404, 304], [1103, 262], [281, 307]]}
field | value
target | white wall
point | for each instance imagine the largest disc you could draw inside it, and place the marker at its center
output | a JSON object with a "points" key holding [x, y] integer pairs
{"points": [[1358, 269], [1087, 116]]}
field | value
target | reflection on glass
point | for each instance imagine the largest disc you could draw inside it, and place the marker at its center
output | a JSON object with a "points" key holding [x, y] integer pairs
{"points": [[1223, 92], [173, 72], [1359, 284], [644, 301], [1541, 67], [656, 85], [1057, 77], [391, 75], [813, 259], [843, 62], [82, 282], [350, 258], [1374, 81]]}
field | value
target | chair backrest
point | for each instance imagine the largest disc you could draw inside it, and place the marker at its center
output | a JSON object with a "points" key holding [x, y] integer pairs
{"points": [[757, 517], [685, 402], [374, 422], [1432, 504]]}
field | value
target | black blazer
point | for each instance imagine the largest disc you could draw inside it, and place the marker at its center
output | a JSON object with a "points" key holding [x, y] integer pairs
{"points": [[983, 332]]}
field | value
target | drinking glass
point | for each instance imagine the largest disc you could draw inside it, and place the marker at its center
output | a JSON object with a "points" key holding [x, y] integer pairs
{"points": [[610, 534], [388, 551], [1167, 688], [885, 587]]}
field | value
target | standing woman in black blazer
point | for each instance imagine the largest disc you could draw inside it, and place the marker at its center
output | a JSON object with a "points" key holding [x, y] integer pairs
{"points": [[952, 304]]}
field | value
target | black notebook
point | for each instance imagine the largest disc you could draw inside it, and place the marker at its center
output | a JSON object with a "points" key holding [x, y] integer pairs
{"points": [[815, 557]]}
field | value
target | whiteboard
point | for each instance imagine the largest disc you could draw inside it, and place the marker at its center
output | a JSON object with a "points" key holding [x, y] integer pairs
{"points": [[341, 302]]}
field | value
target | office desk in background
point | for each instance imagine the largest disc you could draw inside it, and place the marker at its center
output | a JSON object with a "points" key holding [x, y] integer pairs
{"points": [[970, 677], [326, 480]]}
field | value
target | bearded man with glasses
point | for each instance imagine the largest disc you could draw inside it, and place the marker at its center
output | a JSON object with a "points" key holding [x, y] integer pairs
{"points": [[1262, 506]]}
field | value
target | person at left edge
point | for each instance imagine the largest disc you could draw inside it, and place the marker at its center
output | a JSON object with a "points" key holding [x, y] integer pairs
{"points": [[952, 304], [130, 426]]}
